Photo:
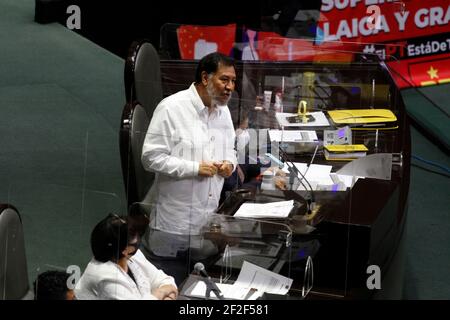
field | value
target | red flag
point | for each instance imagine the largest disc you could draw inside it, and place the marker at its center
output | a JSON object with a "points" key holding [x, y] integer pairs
{"points": [[430, 72], [196, 41]]}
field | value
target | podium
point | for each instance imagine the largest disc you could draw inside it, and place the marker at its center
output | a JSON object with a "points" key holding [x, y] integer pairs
{"points": [[352, 229]]}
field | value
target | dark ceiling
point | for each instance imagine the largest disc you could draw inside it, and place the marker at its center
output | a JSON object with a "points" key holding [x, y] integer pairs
{"points": [[115, 24]]}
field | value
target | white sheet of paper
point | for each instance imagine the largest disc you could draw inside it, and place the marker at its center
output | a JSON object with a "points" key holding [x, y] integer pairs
{"points": [[279, 209], [293, 135], [317, 174], [252, 276]]}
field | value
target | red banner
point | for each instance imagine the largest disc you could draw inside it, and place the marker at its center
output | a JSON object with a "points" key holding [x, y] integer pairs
{"points": [[380, 21], [421, 72], [412, 36], [197, 41]]}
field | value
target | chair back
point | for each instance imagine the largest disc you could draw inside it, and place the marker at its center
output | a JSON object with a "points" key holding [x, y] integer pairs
{"points": [[143, 93], [143, 76], [134, 126], [14, 283]]}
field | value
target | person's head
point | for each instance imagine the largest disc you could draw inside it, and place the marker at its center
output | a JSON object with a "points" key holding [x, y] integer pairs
{"points": [[112, 240], [216, 75], [52, 285]]}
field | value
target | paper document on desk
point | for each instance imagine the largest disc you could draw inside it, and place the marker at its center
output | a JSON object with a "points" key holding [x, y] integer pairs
{"points": [[315, 174], [252, 276], [229, 291], [321, 178], [293, 135], [279, 209], [252, 283]]}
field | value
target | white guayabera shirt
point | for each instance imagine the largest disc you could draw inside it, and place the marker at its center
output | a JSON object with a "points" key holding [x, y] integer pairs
{"points": [[183, 133]]}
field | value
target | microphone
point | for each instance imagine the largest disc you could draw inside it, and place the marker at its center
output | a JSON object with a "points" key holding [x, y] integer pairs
{"points": [[199, 268], [293, 174]]}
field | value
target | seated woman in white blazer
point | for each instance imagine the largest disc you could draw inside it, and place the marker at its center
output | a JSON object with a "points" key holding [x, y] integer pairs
{"points": [[119, 270]]}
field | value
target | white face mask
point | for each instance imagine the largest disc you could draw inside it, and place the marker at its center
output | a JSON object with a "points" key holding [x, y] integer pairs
{"points": [[243, 138]]}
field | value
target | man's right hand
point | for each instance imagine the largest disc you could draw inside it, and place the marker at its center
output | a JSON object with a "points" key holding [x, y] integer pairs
{"points": [[207, 169], [166, 292]]}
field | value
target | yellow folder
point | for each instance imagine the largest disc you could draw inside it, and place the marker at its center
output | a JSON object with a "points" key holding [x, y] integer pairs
{"points": [[346, 147], [362, 116], [344, 152]]}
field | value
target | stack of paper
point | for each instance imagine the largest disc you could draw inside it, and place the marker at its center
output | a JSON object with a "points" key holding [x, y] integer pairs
{"points": [[252, 282], [293, 135], [315, 174], [344, 152], [254, 277], [320, 177], [279, 209]]}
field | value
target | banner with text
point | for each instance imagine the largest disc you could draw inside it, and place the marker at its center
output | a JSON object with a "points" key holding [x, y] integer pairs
{"points": [[413, 36]]}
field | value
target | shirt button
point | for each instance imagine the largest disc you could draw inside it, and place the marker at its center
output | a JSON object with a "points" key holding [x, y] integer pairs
{"points": [[212, 139], [210, 195]]}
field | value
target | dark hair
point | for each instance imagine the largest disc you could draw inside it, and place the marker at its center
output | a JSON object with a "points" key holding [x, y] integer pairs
{"points": [[109, 238], [210, 64], [51, 285]]}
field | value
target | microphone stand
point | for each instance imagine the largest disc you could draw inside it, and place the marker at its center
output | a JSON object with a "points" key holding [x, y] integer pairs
{"points": [[211, 286], [293, 174]]}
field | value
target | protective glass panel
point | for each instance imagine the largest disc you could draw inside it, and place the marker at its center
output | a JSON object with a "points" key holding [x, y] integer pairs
{"points": [[62, 173], [331, 146], [57, 224], [252, 259], [321, 122]]}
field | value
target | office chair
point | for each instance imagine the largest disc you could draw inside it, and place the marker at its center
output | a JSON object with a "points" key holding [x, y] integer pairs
{"points": [[133, 129], [13, 263], [143, 76], [143, 93]]}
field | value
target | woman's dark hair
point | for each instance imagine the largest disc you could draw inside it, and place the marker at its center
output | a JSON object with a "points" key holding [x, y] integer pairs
{"points": [[109, 238], [51, 285], [210, 64]]}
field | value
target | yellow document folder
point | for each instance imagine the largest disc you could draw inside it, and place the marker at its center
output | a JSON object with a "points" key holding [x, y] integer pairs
{"points": [[365, 118], [345, 152]]}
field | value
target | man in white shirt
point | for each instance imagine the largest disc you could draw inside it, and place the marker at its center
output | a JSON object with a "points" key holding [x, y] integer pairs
{"points": [[190, 146]]}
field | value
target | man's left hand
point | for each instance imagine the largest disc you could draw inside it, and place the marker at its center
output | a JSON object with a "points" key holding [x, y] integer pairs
{"points": [[225, 169]]}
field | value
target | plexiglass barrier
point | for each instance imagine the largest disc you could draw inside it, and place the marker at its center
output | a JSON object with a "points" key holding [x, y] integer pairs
{"points": [[303, 111], [57, 222]]}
